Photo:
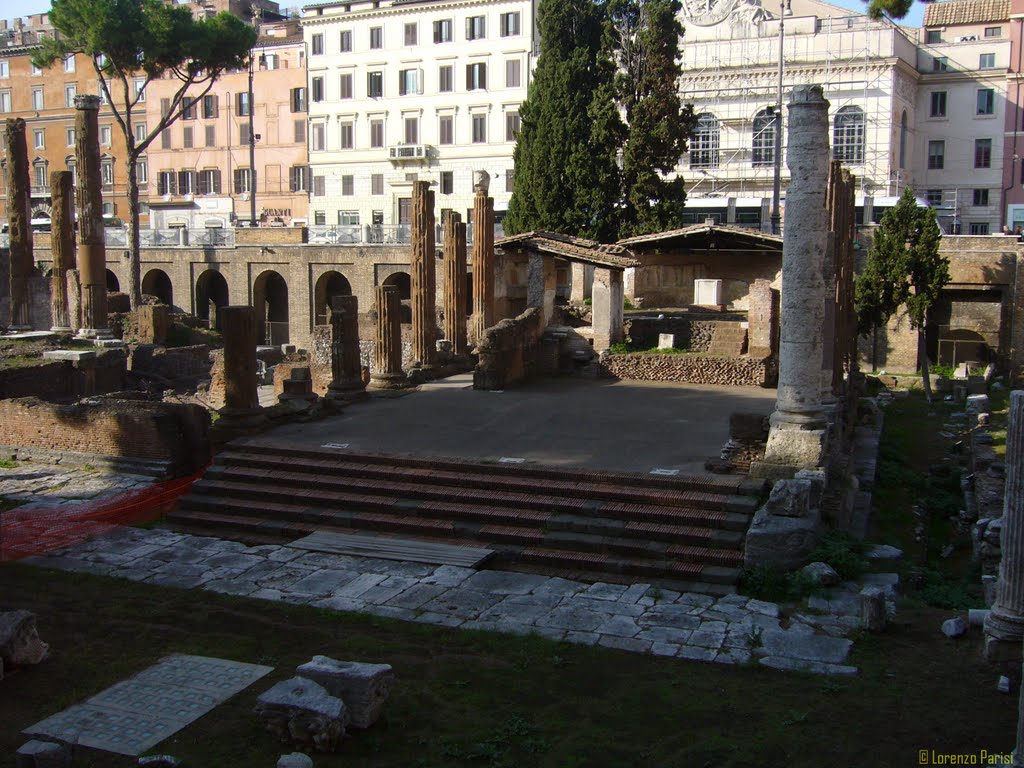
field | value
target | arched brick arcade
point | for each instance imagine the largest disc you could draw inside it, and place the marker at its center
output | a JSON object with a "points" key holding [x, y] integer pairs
{"points": [[270, 298], [157, 283], [329, 285], [404, 283], [113, 284], [211, 295]]}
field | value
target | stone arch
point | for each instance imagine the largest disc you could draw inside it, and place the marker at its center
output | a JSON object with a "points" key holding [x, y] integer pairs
{"points": [[211, 289], [404, 283], [329, 285], [113, 284], [157, 283], [270, 298]]}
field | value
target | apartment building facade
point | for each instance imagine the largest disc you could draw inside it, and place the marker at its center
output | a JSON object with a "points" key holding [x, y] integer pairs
{"points": [[405, 91]]}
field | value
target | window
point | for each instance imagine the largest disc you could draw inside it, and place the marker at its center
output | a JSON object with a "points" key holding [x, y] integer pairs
{"points": [[763, 145], [938, 104], [347, 135], [510, 180], [300, 131], [510, 24], [317, 89], [105, 135], [345, 41], [69, 136], [348, 218], [298, 178], [319, 133], [376, 133], [446, 130], [979, 227], [983, 153], [704, 144], [443, 31], [346, 86], [72, 166], [36, 70], [319, 218], [986, 101], [70, 91], [848, 135], [513, 124], [244, 135], [475, 29], [374, 84], [410, 34], [142, 171], [933, 36], [107, 172], [376, 37], [165, 138], [165, 107], [69, 63], [5, 101], [512, 74], [993, 31], [348, 185], [210, 110], [243, 181], [933, 197], [446, 79], [476, 76], [37, 99], [298, 99], [209, 181], [317, 45], [187, 182], [904, 132], [140, 89], [140, 132], [987, 61], [187, 137], [447, 182], [39, 138], [479, 129], [408, 81], [940, 64], [412, 130], [210, 136], [242, 106], [166, 183], [5, 69], [188, 108], [39, 175], [270, 61], [377, 184], [981, 197], [319, 186], [936, 155]]}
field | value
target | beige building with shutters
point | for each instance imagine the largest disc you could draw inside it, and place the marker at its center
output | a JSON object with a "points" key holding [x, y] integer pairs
{"points": [[198, 169]]}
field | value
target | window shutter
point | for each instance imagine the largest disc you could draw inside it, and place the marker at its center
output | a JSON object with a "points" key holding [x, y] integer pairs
{"points": [[165, 107], [204, 183], [216, 182], [469, 77], [291, 179], [419, 81], [483, 75]]}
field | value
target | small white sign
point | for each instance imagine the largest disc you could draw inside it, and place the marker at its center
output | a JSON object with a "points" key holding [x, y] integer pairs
{"points": [[668, 472], [510, 460], [335, 445]]}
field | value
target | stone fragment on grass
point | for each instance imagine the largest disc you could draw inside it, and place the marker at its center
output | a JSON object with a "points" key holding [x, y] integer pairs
{"points": [[363, 687], [301, 712], [1003, 684], [42, 754], [159, 761], [884, 552], [295, 760], [20, 645], [821, 573], [872, 609], [954, 627]]}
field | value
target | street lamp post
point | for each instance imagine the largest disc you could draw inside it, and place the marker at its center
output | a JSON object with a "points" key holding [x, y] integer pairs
{"points": [[776, 217], [252, 151]]}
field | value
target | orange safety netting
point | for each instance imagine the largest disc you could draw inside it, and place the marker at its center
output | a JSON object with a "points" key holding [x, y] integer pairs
{"points": [[35, 530]]}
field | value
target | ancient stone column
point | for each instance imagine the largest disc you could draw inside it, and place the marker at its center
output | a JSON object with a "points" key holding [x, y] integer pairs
{"points": [[92, 250], [483, 256], [74, 294], [1004, 627], [19, 191], [455, 283], [387, 358], [606, 310], [238, 324], [62, 238], [346, 365], [797, 437], [424, 277]]}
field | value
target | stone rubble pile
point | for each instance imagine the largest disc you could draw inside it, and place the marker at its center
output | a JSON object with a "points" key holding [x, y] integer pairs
{"points": [[300, 712], [20, 645]]}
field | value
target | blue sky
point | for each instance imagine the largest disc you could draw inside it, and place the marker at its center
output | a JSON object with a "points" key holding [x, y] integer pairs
{"points": [[14, 8]]}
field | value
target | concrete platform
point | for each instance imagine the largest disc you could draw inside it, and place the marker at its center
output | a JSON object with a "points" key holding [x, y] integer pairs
{"points": [[630, 426]]}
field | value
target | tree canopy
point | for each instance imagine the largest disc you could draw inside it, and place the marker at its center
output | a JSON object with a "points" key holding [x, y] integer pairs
{"points": [[130, 40]]}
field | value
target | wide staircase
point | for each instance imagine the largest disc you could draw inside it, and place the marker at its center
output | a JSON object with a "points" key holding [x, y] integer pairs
{"points": [[728, 339], [684, 532]]}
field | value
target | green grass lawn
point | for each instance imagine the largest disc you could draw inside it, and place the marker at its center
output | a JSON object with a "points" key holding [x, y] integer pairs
{"points": [[482, 699]]}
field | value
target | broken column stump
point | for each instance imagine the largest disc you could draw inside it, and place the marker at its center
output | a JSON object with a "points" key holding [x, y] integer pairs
{"points": [[301, 712], [387, 360], [363, 687]]}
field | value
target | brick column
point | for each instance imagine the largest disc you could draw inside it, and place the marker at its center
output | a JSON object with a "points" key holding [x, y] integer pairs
{"points": [[762, 319], [238, 324], [387, 356], [606, 309], [1004, 627], [483, 257], [455, 283], [346, 365], [424, 277], [92, 250], [62, 237], [797, 438], [19, 213], [582, 280]]}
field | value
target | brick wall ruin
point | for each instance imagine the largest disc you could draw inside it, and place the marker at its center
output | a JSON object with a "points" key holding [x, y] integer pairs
{"points": [[692, 369], [171, 363], [692, 333], [510, 351], [66, 379]]}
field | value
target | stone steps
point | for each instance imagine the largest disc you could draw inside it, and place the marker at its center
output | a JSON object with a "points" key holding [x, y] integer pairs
{"points": [[671, 529], [728, 340]]}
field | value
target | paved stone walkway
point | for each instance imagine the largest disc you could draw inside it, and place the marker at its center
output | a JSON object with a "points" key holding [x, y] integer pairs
{"points": [[638, 618], [50, 485]]}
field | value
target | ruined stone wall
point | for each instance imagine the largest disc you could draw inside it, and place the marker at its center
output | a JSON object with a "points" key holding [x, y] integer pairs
{"points": [[511, 351], [665, 278], [167, 432], [692, 369], [66, 380], [5, 286], [692, 333], [171, 363]]}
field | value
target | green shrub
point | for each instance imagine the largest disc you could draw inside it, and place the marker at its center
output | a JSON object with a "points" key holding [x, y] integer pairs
{"points": [[767, 582], [843, 552], [938, 591]]}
